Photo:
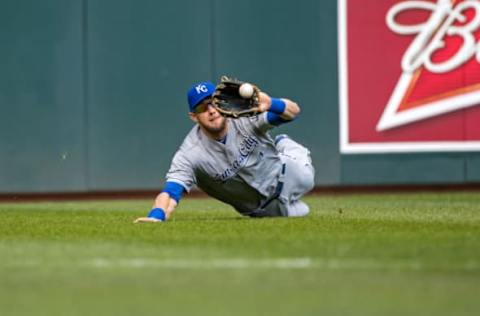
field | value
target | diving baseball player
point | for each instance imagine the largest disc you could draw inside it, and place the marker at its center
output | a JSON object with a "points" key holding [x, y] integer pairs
{"points": [[237, 162]]}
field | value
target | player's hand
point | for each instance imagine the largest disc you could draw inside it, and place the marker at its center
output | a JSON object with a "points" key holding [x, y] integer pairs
{"points": [[157, 214], [264, 101], [146, 220]]}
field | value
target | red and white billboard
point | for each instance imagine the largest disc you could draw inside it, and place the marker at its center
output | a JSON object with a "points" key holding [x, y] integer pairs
{"points": [[409, 75]]}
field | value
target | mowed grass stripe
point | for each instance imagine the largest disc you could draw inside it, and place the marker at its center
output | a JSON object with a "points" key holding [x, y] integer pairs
{"points": [[350, 264]]}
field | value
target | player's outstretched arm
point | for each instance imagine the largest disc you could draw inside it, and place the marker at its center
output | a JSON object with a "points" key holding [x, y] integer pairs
{"points": [[164, 204], [162, 209]]}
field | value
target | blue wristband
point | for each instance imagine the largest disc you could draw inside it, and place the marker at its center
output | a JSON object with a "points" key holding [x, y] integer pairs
{"points": [[157, 213], [278, 106]]}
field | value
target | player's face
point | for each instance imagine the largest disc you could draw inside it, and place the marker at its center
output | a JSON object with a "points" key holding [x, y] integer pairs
{"points": [[209, 118]]}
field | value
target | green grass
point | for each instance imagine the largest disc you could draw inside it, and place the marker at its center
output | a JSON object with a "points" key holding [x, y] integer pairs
{"points": [[395, 254]]}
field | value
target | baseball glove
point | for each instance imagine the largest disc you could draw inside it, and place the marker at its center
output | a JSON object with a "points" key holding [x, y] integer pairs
{"points": [[228, 101]]}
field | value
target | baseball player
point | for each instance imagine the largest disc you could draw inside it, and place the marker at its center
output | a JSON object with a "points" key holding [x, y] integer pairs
{"points": [[237, 162]]}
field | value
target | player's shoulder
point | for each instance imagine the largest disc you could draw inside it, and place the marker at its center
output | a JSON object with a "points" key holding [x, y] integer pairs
{"points": [[192, 140]]}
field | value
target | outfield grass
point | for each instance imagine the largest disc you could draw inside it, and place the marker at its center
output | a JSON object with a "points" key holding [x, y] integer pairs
{"points": [[395, 254]]}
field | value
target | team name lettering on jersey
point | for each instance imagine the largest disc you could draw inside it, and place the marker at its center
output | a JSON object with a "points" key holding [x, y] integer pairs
{"points": [[247, 146]]}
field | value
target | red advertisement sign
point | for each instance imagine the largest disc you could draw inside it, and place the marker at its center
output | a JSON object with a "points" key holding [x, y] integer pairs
{"points": [[409, 75]]}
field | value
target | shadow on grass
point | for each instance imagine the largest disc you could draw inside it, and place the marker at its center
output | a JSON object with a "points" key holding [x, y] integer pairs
{"points": [[226, 218]]}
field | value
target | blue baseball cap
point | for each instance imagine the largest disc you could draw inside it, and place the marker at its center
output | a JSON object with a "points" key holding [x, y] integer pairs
{"points": [[198, 92]]}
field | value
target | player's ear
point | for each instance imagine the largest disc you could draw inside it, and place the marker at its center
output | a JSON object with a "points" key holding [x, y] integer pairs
{"points": [[193, 117]]}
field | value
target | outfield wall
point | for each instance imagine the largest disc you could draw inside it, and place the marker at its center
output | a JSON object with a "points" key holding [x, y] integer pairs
{"points": [[92, 93]]}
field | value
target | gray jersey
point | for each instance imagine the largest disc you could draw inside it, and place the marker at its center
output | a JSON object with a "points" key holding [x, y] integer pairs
{"points": [[243, 172]]}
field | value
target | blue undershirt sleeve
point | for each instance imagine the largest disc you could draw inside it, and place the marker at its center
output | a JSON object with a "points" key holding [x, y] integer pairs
{"points": [[174, 189], [276, 119]]}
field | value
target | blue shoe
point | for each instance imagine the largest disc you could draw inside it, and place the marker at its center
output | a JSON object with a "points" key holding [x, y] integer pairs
{"points": [[279, 137]]}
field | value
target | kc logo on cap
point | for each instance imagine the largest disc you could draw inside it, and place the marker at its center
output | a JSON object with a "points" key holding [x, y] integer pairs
{"points": [[201, 88], [198, 92]]}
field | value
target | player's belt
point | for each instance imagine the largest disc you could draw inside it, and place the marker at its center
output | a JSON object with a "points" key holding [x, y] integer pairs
{"points": [[278, 189]]}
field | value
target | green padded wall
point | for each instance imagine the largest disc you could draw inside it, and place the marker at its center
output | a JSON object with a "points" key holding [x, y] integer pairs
{"points": [[472, 168], [42, 132], [142, 57], [403, 169]]}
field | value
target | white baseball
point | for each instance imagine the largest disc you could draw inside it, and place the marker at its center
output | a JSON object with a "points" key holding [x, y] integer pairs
{"points": [[246, 90]]}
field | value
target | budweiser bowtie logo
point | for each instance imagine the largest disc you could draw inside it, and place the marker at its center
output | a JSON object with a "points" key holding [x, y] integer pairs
{"points": [[410, 78], [444, 43]]}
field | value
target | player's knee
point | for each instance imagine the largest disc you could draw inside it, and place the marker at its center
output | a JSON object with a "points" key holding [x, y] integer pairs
{"points": [[306, 180]]}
